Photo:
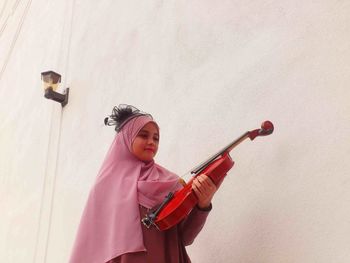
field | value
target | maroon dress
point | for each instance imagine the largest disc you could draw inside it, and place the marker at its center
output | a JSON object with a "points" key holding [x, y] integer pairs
{"points": [[167, 246]]}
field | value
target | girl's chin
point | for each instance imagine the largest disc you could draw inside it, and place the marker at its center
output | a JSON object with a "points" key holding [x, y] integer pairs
{"points": [[148, 158]]}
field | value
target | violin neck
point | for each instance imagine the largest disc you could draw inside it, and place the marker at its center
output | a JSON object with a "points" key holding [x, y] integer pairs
{"points": [[226, 149]]}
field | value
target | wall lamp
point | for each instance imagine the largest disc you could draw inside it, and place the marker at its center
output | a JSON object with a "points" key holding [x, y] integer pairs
{"points": [[51, 81]]}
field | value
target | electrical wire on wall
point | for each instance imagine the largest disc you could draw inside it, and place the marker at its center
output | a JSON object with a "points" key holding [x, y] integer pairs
{"points": [[46, 207], [17, 33], [2, 12]]}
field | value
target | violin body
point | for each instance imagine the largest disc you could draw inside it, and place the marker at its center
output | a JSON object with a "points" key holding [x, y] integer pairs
{"points": [[176, 206], [185, 199]]}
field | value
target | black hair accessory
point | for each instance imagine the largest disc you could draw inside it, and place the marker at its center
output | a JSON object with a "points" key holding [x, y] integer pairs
{"points": [[122, 114]]}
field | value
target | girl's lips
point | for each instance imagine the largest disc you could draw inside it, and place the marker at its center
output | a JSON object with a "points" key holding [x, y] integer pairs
{"points": [[150, 149]]}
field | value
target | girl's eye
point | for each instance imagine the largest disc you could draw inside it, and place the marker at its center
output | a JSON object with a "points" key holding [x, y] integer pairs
{"points": [[146, 136], [143, 136]]}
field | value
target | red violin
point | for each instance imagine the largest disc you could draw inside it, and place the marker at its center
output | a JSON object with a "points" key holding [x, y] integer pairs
{"points": [[176, 206]]}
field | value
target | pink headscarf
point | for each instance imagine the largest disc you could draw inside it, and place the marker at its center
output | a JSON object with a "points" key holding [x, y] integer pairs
{"points": [[111, 224]]}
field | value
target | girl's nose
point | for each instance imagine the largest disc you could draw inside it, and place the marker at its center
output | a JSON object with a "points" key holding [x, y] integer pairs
{"points": [[151, 141]]}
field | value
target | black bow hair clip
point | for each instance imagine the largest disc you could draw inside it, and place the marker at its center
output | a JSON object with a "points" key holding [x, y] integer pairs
{"points": [[122, 114]]}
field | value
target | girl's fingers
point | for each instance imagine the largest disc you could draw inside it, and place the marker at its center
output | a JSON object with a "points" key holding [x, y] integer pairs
{"points": [[203, 187], [197, 187], [206, 183]]}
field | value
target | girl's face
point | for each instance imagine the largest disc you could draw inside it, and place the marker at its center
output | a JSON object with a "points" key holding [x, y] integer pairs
{"points": [[145, 144]]}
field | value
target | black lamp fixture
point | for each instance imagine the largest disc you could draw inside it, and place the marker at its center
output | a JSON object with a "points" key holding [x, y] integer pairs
{"points": [[51, 81]]}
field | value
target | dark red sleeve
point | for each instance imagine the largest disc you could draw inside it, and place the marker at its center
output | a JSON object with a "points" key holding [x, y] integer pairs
{"points": [[192, 225]]}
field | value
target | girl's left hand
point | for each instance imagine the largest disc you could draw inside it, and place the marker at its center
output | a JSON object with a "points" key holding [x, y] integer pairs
{"points": [[204, 189]]}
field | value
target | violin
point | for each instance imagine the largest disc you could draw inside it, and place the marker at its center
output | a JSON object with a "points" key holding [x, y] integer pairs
{"points": [[177, 205]]}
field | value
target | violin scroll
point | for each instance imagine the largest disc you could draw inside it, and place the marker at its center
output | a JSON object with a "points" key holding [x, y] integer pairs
{"points": [[266, 129]]}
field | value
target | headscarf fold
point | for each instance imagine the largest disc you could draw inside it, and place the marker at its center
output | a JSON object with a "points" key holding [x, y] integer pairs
{"points": [[111, 225]]}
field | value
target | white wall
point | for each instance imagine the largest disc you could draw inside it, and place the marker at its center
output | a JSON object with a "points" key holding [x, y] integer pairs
{"points": [[208, 72]]}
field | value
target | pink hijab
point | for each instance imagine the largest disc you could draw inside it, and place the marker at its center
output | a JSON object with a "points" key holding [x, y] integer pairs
{"points": [[111, 223]]}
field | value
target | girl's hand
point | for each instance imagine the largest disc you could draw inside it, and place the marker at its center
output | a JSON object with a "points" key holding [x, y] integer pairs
{"points": [[204, 189]]}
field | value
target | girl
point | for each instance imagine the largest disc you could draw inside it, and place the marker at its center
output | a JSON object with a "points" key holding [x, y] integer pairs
{"points": [[128, 185]]}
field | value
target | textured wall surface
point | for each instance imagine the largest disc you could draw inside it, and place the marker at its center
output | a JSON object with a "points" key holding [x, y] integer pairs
{"points": [[208, 72]]}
